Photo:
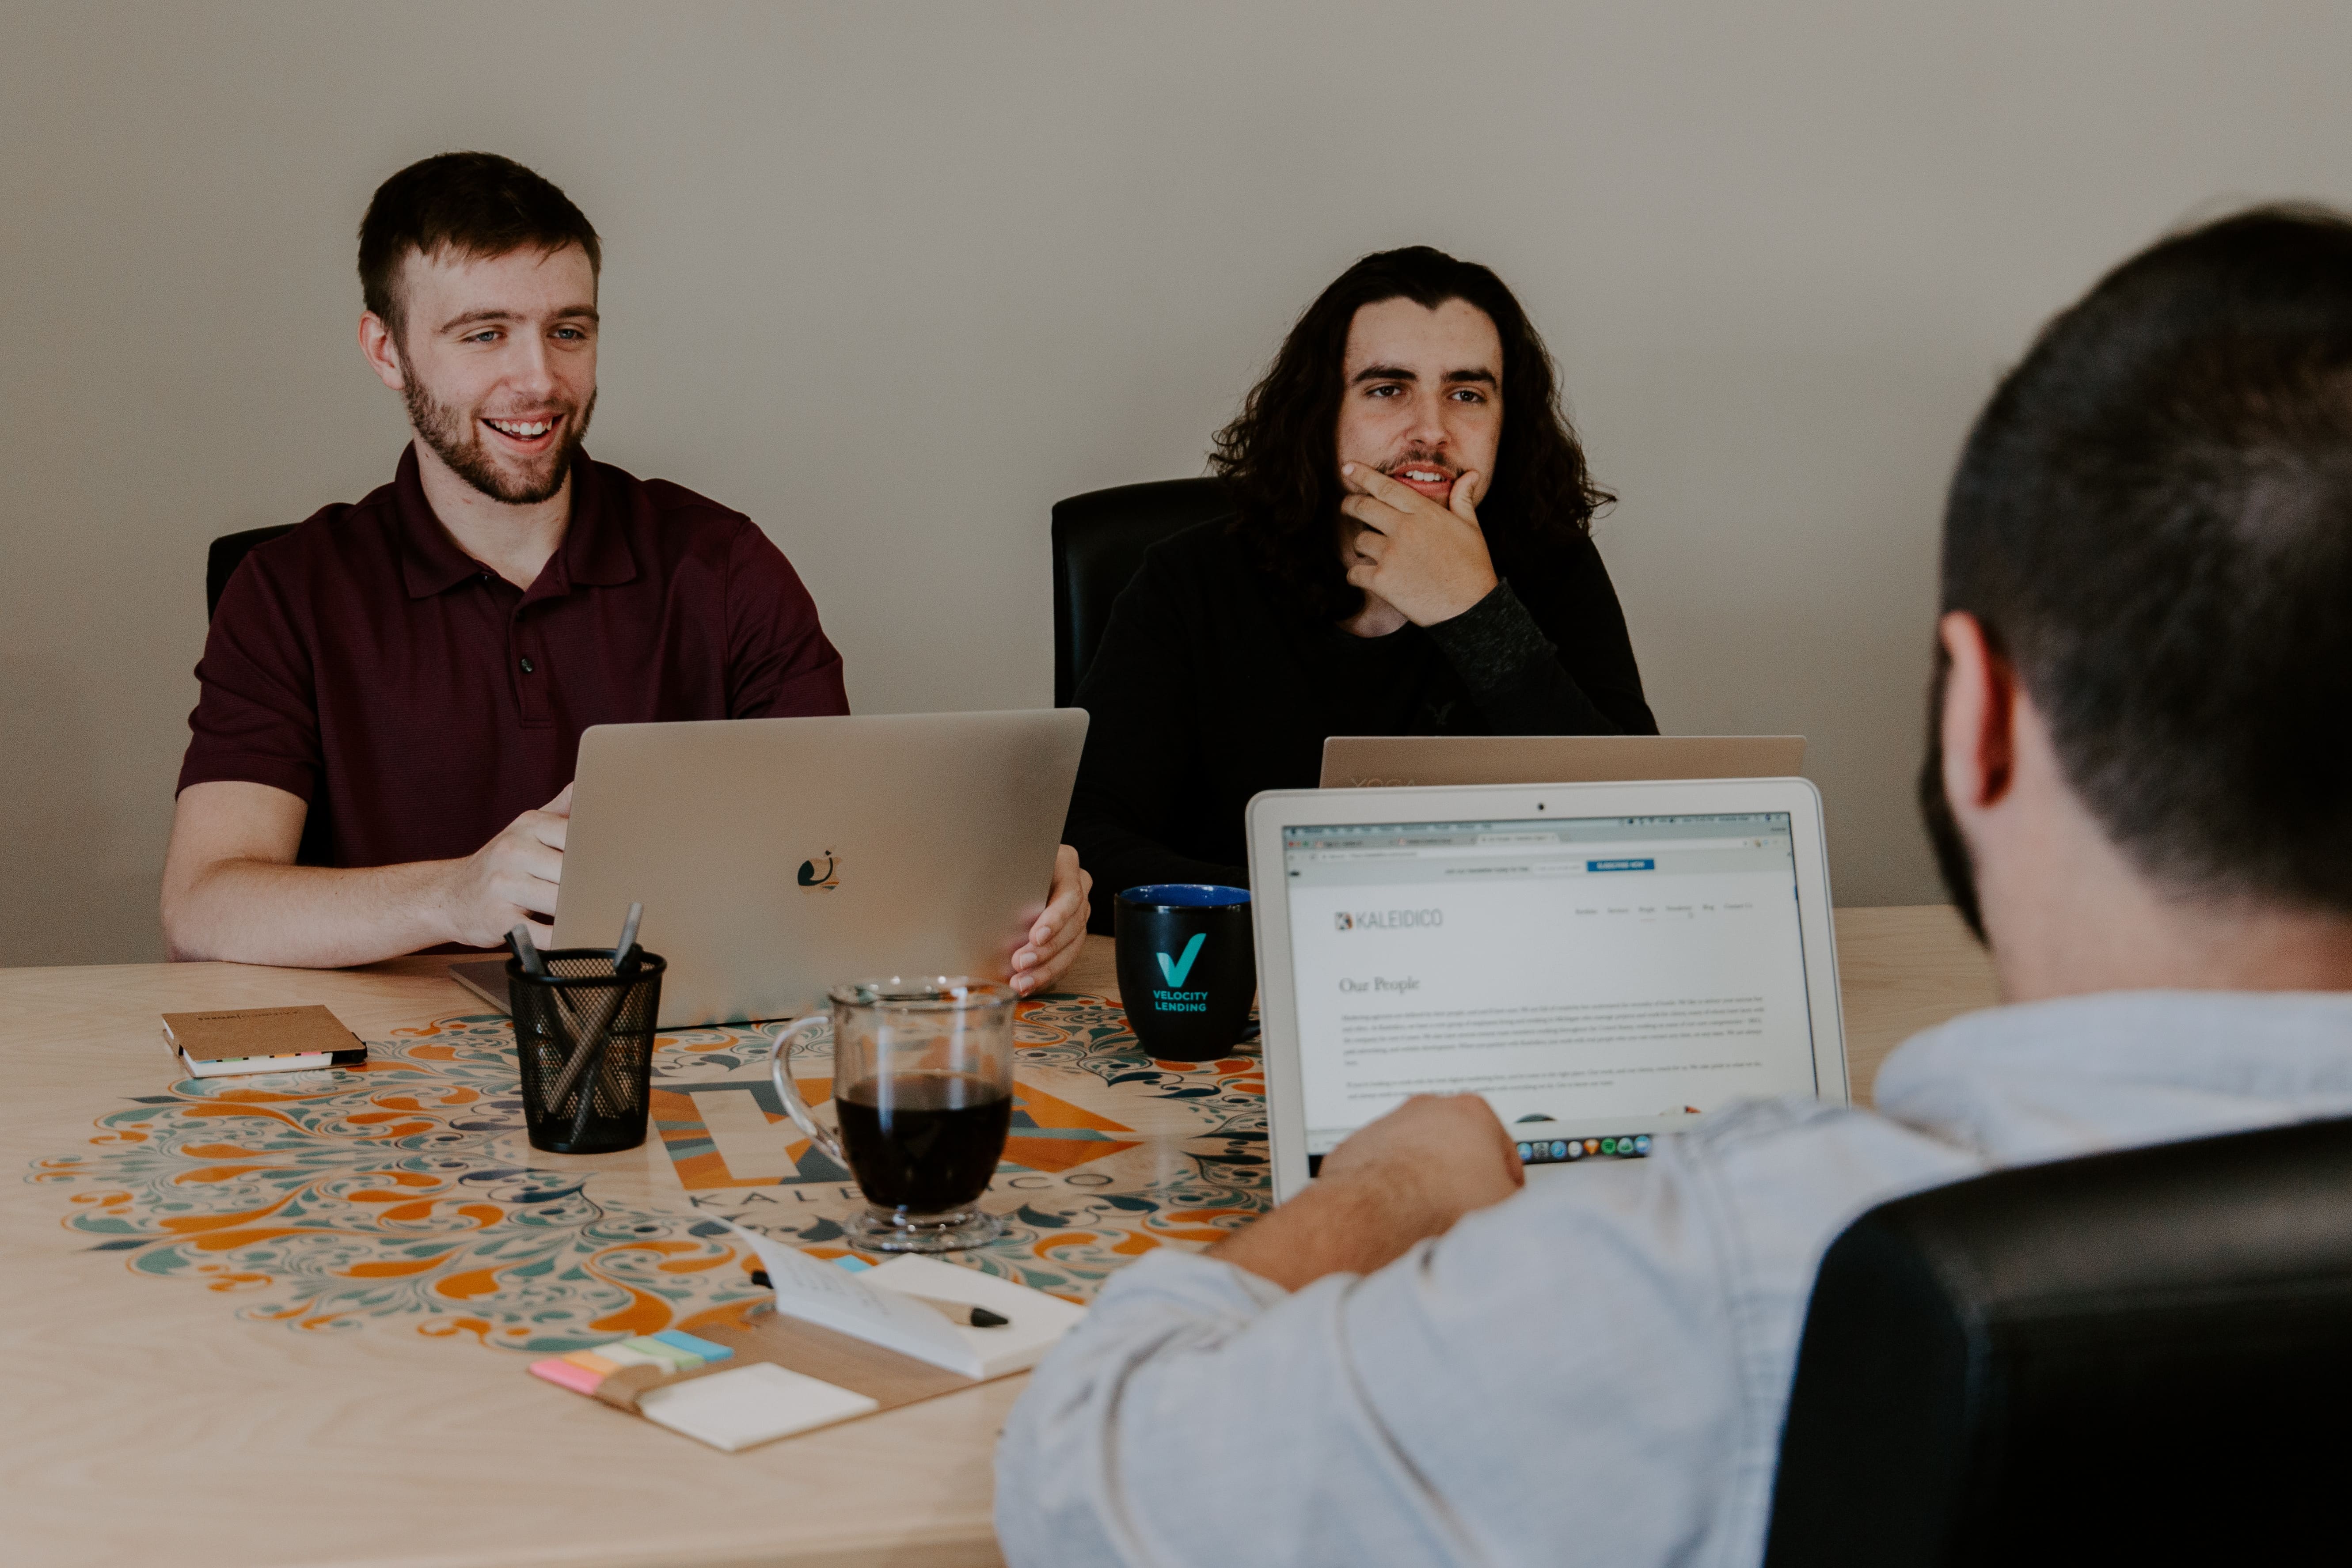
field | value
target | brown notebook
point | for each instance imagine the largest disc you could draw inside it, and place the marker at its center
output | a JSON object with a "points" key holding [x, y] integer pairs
{"points": [[261, 1039]]}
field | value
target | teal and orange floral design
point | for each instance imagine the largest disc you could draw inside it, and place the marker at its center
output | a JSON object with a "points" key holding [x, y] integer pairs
{"points": [[406, 1190]]}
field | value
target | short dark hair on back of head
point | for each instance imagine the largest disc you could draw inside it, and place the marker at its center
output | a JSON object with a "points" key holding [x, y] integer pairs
{"points": [[475, 203], [2152, 520], [1279, 461]]}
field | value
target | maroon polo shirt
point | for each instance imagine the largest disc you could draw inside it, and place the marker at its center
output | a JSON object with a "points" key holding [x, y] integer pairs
{"points": [[420, 702]]}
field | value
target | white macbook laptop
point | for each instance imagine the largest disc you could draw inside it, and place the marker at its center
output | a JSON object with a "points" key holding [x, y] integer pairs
{"points": [[778, 857], [1604, 961]]}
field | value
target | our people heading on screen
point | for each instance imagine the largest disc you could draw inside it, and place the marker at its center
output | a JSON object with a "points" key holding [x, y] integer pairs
{"points": [[392, 693], [2145, 673], [1408, 551]]}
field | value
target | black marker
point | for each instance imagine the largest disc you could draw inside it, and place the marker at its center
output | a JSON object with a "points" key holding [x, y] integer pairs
{"points": [[962, 1313]]}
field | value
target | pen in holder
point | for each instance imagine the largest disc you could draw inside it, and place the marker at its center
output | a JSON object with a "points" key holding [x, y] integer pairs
{"points": [[585, 1023]]}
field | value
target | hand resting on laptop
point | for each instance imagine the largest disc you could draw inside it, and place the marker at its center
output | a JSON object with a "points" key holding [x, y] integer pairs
{"points": [[1060, 933], [1409, 1176]]}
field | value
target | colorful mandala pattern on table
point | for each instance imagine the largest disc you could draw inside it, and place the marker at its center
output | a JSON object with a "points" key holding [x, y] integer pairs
{"points": [[407, 1190]]}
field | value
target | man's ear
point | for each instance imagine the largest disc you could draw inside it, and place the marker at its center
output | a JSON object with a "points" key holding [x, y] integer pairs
{"points": [[382, 351], [1979, 716]]}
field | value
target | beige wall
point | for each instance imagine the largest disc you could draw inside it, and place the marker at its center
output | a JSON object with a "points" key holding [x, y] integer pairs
{"points": [[892, 278]]}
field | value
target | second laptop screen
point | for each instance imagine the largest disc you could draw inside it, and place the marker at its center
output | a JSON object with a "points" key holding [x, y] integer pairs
{"points": [[1581, 973]]}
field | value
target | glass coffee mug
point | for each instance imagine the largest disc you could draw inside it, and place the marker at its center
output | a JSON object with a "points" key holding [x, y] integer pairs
{"points": [[922, 1089]]}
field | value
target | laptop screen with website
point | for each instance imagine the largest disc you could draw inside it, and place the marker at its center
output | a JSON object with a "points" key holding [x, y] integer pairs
{"points": [[1604, 976]]}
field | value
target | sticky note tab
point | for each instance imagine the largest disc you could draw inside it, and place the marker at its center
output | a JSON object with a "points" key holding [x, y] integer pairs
{"points": [[590, 1361], [622, 1355], [680, 1340], [557, 1370], [668, 1354], [850, 1263]]}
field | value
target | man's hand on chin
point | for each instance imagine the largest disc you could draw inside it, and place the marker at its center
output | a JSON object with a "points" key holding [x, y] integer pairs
{"points": [[512, 878], [1429, 561], [1405, 1177], [1060, 933]]}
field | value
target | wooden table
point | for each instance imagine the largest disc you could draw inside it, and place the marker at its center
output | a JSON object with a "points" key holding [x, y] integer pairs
{"points": [[154, 1417]]}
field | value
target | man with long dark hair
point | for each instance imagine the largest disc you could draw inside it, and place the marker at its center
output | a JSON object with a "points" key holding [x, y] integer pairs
{"points": [[2140, 786], [1409, 552]]}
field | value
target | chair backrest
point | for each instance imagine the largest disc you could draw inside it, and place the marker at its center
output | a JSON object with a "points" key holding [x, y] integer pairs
{"points": [[2131, 1357], [1099, 539], [227, 553]]}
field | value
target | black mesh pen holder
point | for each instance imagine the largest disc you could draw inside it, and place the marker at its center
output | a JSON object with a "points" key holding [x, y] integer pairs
{"points": [[585, 1047]]}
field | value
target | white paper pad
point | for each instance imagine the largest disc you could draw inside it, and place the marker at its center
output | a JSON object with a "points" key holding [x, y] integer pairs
{"points": [[750, 1405], [1037, 1321], [824, 1295]]}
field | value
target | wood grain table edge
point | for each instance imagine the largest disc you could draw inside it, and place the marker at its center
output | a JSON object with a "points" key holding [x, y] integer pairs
{"points": [[936, 1546]]}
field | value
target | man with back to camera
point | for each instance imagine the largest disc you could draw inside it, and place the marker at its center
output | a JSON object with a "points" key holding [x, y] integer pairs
{"points": [[393, 693], [2136, 786], [1409, 553]]}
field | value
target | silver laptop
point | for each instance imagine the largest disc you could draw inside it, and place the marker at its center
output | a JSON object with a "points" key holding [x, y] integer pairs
{"points": [[778, 857], [1366, 762], [1605, 962]]}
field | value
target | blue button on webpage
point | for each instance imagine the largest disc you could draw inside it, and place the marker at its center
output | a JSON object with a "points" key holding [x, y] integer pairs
{"points": [[1621, 864]]}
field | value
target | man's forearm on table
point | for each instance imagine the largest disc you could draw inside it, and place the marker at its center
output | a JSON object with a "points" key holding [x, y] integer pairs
{"points": [[1337, 1226], [307, 917], [1189, 1382]]}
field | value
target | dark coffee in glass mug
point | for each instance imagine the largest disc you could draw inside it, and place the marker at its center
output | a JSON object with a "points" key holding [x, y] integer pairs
{"points": [[924, 1142], [925, 1099]]}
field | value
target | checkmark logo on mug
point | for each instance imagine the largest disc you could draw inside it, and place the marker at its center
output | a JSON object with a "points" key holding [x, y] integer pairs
{"points": [[1175, 970]]}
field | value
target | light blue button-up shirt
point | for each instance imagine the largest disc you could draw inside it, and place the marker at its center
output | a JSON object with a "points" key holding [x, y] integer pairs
{"points": [[1595, 1371]]}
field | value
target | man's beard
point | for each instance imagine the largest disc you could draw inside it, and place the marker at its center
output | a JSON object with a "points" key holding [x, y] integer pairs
{"points": [[1952, 857], [457, 441]]}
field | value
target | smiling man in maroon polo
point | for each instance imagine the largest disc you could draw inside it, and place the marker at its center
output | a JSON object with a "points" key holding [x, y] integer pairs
{"points": [[393, 692]]}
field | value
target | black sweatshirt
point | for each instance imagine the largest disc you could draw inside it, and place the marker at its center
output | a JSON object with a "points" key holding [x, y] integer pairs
{"points": [[1209, 688]]}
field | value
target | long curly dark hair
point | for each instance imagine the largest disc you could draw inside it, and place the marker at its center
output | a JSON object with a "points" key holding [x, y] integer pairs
{"points": [[1278, 460]]}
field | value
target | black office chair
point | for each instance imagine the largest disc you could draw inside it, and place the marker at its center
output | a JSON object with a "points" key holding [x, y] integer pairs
{"points": [[1099, 539], [227, 553], [2135, 1357]]}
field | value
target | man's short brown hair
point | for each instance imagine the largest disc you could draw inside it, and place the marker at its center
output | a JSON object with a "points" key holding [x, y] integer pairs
{"points": [[475, 204], [2152, 520]]}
